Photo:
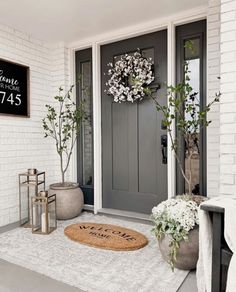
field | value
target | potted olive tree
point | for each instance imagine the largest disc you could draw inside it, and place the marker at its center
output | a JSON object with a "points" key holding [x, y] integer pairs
{"points": [[176, 220], [63, 123], [185, 112]]}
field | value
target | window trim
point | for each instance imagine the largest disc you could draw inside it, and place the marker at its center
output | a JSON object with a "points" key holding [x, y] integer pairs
{"points": [[83, 56], [193, 30]]}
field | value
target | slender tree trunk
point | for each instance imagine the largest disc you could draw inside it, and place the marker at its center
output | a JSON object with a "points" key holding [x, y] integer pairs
{"points": [[62, 172], [190, 174], [62, 177], [178, 160]]}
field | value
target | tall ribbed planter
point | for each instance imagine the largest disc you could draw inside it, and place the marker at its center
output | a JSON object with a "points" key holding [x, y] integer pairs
{"points": [[69, 198]]}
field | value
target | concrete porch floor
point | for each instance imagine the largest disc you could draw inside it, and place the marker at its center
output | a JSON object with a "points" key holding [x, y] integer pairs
{"points": [[14, 278]]}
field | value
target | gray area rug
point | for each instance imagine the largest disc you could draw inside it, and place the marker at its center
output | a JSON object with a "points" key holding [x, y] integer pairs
{"points": [[88, 268]]}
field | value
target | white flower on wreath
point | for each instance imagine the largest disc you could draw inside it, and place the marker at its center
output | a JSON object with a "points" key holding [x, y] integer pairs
{"points": [[129, 78]]}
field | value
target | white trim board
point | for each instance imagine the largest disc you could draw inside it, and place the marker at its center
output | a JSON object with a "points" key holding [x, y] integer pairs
{"points": [[73, 81], [166, 23], [97, 129], [142, 28]]}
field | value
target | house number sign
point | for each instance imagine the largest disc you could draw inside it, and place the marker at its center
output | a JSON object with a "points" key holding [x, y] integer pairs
{"points": [[14, 89]]}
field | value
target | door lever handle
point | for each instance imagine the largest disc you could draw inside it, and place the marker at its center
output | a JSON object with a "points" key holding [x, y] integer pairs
{"points": [[164, 148]]}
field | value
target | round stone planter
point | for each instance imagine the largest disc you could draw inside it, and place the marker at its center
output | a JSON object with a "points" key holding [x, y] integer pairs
{"points": [[187, 254], [69, 199]]}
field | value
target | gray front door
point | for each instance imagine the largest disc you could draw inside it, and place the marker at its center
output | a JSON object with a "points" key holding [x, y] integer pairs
{"points": [[133, 170]]}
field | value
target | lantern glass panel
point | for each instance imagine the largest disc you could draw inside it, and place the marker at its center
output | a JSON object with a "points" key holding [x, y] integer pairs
{"points": [[44, 217], [52, 213], [36, 214]]}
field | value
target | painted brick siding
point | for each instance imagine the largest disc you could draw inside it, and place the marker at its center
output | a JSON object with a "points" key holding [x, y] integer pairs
{"points": [[228, 100], [61, 77], [213, 85], [22, 144]]}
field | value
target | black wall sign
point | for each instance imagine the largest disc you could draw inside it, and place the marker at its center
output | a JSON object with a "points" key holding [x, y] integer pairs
{"points": [[14, 89]]}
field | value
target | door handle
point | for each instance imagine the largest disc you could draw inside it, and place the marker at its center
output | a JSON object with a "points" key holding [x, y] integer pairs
{"points": [[164, 148]]}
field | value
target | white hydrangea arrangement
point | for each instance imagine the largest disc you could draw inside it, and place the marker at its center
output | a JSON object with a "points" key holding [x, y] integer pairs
{"points": [[129, 78], [175, 218]]}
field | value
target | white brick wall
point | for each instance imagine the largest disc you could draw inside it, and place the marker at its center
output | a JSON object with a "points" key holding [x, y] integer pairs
{"points": [[213, 85], [228, 100], [61, 77], [21, 139]]}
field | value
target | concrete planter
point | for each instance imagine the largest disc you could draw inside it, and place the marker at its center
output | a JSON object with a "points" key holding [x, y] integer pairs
{"points": [[70, 200], [187, 254]]}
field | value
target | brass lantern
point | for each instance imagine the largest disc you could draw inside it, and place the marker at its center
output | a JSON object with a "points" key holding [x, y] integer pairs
{"points": [[43, 208]]}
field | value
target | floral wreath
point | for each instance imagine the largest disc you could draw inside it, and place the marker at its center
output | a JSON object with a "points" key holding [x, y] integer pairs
{"points": [[129, 78]]}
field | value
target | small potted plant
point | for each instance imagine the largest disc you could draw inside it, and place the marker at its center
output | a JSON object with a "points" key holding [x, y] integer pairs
{"points": [[63, 123], [175, 220]]}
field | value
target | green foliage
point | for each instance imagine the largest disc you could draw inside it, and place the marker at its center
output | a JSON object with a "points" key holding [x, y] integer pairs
{"points": [[63, 125], [165, 226]]}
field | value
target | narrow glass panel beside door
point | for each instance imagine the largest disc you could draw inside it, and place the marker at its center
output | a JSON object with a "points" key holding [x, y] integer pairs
{"points": [[87, 135], [85, 141], [192, 57], [195, 55]]}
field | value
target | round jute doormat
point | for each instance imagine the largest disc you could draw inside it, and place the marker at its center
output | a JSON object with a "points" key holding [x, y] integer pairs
{"points": [[106, 236]]}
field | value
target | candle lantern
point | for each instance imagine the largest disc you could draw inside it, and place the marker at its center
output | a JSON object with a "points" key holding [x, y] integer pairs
{"points": [[31, 180], [43, 208]]}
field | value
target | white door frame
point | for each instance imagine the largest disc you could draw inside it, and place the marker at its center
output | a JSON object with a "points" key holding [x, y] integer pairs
{"points": [[95, 43]]}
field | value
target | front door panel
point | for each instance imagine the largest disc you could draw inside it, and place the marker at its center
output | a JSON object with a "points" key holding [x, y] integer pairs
{"points": [[134, 175]]}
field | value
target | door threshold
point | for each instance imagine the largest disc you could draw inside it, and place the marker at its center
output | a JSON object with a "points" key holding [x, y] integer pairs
{"points": [[135, 216]]}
